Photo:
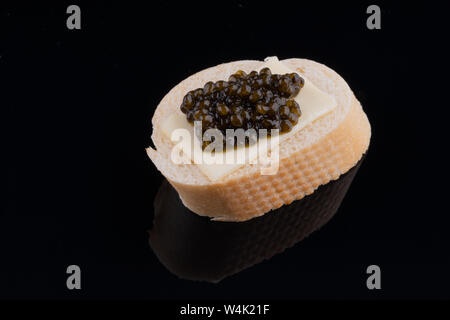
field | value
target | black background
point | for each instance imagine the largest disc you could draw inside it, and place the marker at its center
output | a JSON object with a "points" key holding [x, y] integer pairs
{"points": [[80, 187]]}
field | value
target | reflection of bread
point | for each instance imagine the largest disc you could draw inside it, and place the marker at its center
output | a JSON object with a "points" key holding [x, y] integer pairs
{"points": [[315, 155], [178, 235]]}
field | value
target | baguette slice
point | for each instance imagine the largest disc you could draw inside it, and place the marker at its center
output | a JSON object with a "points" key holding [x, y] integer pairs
{"points": [[322, 151]]}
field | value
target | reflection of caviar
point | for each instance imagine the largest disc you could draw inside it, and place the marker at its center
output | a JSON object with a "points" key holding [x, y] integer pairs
{"points": [[255, 101]]}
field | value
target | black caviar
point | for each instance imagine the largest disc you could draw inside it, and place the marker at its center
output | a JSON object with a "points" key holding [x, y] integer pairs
{"points": [[249, 101]]}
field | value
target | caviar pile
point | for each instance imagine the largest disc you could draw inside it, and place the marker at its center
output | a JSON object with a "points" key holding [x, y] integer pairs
{"points": [[250, 101]]}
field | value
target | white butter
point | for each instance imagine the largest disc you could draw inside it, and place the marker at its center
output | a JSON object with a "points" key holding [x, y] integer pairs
{"points": [[313, 102]]}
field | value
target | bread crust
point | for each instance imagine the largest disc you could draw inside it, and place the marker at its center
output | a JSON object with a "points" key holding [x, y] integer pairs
{"points": [[246, 193]]}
